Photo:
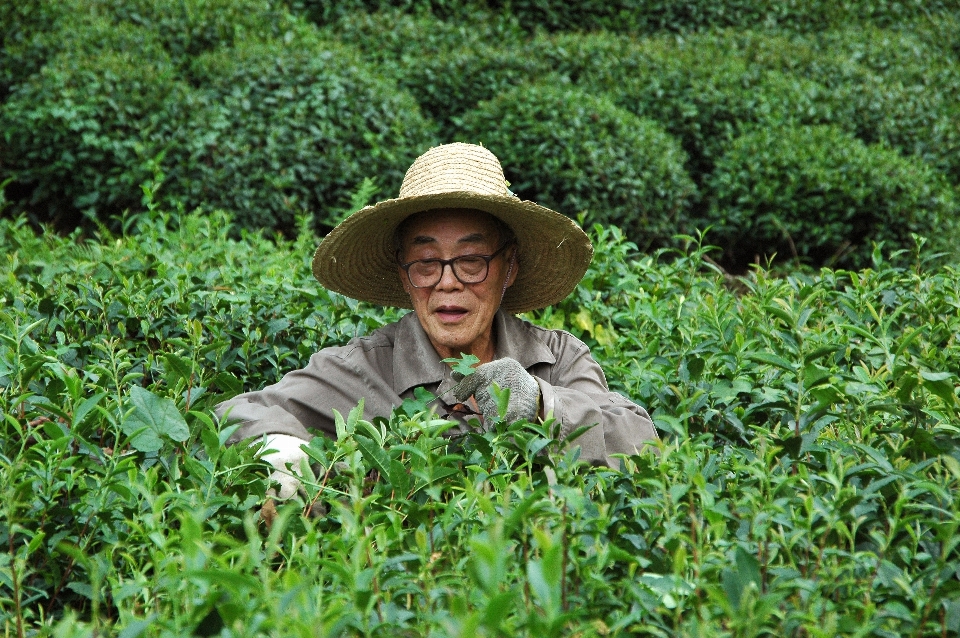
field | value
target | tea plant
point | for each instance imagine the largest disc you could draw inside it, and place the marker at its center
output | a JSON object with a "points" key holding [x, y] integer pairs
{"points": [[806, 483]]}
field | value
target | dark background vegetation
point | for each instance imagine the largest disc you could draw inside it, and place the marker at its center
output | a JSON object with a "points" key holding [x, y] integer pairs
{"points": [[808, 482], [803, 129]]}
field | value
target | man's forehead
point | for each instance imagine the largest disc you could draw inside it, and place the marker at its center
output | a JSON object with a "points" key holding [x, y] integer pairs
{"points": [[465, 225]]}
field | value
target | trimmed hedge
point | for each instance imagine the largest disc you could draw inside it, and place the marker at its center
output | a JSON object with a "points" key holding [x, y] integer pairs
{"points": [[397, 41], [278, 128], [80, 134], [820, 194], [652, 16], [35, 31], [575, 152], [703, 96], [447, 86], [883, 85]]}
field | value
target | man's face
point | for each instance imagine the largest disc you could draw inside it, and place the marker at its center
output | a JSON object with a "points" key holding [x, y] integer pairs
{"points": [[457, 317]]}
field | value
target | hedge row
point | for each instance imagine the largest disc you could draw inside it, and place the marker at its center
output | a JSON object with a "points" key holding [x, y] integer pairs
{"points": [[245, 107], [652, 16], [266, 129]]}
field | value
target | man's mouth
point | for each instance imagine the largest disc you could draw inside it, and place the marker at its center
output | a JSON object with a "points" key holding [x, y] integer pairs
{"points": [[450, 314]]}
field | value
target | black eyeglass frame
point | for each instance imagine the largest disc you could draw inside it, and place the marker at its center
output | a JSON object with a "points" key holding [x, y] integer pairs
{"points": [[451, 262]]}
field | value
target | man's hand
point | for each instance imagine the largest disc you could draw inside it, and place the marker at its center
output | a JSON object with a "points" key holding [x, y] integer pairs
{"points": [[285, 459], [506, 373]]}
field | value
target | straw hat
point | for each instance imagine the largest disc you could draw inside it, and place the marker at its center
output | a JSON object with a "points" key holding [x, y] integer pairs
{"points": [[358, 257]]}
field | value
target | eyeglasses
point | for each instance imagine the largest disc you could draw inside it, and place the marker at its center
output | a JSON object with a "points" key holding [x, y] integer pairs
{"points": [[468, 269]]}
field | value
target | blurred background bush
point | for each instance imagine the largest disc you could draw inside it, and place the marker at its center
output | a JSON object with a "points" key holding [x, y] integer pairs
{"points": [[805, 130]]}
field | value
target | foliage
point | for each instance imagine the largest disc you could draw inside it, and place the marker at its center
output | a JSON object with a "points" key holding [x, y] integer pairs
{"points": [[650, 16], [822, 195], [700, 92], [448, 65], [397, 41], [81, 134], [79, 138], [644, 17], [807, 483], [40, 29], [575, 152], [888, 86], [278, 128]]}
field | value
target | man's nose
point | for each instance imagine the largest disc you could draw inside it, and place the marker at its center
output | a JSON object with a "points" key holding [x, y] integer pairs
{"points": [[448, 279]]}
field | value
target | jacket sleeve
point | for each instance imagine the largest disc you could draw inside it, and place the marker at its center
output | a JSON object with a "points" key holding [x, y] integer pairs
{"points": [[575, 390], [301, 404]]}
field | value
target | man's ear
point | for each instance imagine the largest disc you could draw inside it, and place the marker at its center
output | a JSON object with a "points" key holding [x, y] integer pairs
{"points": [[513, 268], [403, 280]]}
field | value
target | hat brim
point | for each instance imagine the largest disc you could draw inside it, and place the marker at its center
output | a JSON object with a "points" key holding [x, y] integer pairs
{"points": [[358, 258]]}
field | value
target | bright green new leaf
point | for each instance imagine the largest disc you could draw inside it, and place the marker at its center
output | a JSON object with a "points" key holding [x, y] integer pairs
{"points": [[463, 365]]}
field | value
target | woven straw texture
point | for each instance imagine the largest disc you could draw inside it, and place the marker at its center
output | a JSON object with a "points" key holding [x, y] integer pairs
{"points": [[357, 258]]}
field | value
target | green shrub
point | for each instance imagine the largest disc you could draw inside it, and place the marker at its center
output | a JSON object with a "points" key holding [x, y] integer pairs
{"points": [[446, 86], [809, 470], [41, 29], [80, 134], [702, 93], [189, 28], [278, 128], [326, 12], [820, 194], [883, 85], [448, 65], [396, 40], [574, 152], [20, 22], [652, 16]]}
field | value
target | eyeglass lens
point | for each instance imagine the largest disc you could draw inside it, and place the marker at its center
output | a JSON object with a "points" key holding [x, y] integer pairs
{"points": [[469, 269]]}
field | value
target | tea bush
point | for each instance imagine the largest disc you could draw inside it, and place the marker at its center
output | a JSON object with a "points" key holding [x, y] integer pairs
{"points": [[448, 65], [397, 41], [36, 31], [651, 16], [575, 152], [820, 194], [807, 483], [703, 95], [279, 128], [885, 85], [447, 86], [80, 135]]}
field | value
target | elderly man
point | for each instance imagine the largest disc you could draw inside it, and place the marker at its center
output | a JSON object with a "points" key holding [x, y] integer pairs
{"points": [[465, 254]]}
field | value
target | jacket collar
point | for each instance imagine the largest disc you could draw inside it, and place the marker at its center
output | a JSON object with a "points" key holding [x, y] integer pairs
{"points": [[416, 363]]}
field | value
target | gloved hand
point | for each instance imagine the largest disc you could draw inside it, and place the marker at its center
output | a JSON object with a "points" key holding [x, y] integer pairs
{"points": [[507, 373], [285, 459]]}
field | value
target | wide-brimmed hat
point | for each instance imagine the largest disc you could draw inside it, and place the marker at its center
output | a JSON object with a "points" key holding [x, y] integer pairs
{"points": [[358, 257]]}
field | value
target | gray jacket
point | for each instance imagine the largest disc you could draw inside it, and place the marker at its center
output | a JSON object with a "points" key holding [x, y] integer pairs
{"points": [[385, 367]]}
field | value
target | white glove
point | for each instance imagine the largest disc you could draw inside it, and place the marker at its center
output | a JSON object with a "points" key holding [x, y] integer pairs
{"points": [[506, 373], [285, 458]]}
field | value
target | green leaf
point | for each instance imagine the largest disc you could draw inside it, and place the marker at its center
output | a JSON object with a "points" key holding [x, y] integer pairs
{"points": [[502, 395], [85, 407], [771, 359], [152, 419], [463, 365], [177, 368], [399, 477], [941, 385], [374, 455]]}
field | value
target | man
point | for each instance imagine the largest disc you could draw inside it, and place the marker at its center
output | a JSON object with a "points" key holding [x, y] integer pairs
{"points": [[464, 253]]}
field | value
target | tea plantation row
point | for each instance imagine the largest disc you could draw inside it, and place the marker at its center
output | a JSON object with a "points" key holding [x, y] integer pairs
{"points": [[806, 485], [805, 129]]}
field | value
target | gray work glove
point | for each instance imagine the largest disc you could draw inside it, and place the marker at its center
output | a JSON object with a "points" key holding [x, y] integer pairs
{"points": [[506, 373], [286, 459]]}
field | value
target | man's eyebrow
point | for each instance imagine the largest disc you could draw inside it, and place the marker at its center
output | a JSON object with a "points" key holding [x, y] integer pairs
{"points": [[472, 238]]}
